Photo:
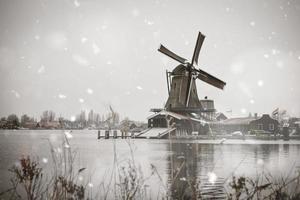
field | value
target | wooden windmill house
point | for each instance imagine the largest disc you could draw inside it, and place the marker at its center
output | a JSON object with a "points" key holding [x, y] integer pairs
{"points": [[184, 112]]}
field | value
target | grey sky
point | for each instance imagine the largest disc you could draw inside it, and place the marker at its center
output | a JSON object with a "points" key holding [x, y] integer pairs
{"points": [[68, 55]]}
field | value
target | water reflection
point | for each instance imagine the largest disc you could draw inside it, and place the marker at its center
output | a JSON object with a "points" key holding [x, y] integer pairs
{"points": [[205, 168], [191, 170], [184, 165]]}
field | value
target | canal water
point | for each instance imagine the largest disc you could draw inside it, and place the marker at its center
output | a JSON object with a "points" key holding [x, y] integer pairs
{"points": [[206, 161]]}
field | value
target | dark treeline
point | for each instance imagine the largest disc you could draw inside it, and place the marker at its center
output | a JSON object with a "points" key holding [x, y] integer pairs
{"points": [[83, 120]]}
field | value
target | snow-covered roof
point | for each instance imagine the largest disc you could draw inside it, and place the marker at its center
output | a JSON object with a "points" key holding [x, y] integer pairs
{"points": [[177, 116], [240, 120]]}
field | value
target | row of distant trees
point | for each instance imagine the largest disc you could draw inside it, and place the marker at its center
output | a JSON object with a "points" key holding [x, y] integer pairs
{"points": [[48, 119]]}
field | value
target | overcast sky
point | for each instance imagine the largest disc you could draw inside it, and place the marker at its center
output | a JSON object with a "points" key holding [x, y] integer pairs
{"points": [[68, 55]]}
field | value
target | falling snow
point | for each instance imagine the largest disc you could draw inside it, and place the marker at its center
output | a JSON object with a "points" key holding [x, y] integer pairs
{"points": [[45, 160], [135, 12], [148, 22], [80, 60], [243, 110], [90, 185], [96, 49], [89, 91], [17, 94], [72, 118], [260, 83], [68, 134], [212, 177], [76, 3], [139, 87], [41, 70], [83, 40], [37, 37], [260, 162], [62, 96], [66, 145]]}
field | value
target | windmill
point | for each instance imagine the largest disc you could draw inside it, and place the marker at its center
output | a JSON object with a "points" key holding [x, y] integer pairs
{"points": [[183, 97]]}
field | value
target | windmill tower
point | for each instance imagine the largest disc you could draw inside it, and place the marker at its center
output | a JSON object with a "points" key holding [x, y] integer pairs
{"points": [[183, 97]]}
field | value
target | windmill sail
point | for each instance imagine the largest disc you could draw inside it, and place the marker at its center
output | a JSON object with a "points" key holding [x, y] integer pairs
{"points": [[206, 77], [197, 49], [169, 53]]}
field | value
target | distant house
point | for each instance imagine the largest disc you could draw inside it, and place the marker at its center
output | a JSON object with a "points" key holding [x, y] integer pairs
{"points": [[236, 124], [265, 123], [30, 125], [245, 124], [50, 125], [220, 117]]}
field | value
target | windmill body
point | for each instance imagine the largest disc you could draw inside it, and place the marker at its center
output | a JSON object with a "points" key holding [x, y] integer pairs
{"points": [[184, 113], [178, 90]]}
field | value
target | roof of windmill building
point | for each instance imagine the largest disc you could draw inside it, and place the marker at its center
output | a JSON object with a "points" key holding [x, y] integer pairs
{"points": [[177, 116], [164, 112], [239, 120]]}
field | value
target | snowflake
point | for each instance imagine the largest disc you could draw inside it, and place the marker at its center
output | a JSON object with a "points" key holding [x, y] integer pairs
{"points": [[37, 37], [96, 49], [89, 91], [90, 185], [280, 64], [252, 23], [68, 134], [41, 70], [266, 56], [17, 95], [81, 100], [139, 87], [45, 160], [298, 57], [72, 118], [260, 162], [260, 83], [109, 62], [182, 179], [148, 22], [83, 40], [252, 101], [237, 68], [275, 51], [80, 60], [62, 96], [135, 12], [243, 110], [76, 3], [212, 177], [227, 9]]}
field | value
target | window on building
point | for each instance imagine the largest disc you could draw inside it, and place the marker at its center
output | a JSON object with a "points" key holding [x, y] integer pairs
{"points": [[260, 126], [271, 127]]}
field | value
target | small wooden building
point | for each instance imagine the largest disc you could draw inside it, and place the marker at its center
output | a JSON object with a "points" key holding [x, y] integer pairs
{"points": [[263, 124], [180, 125]]}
